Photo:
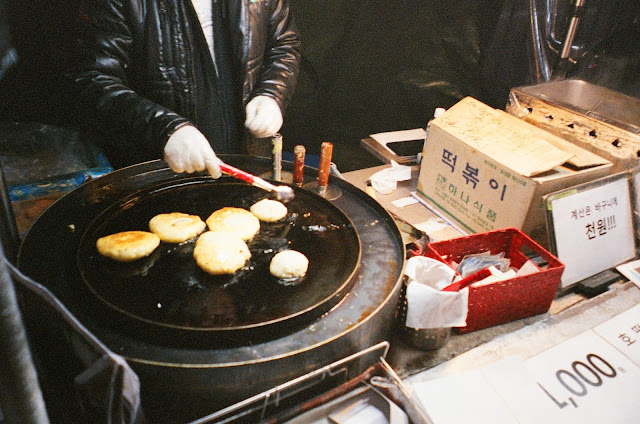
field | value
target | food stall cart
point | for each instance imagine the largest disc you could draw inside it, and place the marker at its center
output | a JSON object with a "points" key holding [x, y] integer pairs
{"points": [[335, 338]]}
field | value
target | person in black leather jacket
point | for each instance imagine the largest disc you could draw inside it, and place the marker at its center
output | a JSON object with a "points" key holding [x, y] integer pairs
{"points": [[147, 83]]}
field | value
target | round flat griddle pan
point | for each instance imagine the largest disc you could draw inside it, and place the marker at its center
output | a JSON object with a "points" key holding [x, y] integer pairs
{"points": [[167, 296], [184, 378]]}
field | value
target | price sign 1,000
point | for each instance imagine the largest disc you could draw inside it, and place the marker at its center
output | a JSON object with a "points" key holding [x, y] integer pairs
{"points": [[584, 375]]}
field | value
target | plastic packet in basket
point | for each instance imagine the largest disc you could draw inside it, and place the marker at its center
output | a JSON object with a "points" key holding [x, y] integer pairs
{"points": [[473, 263], [427, 305]]}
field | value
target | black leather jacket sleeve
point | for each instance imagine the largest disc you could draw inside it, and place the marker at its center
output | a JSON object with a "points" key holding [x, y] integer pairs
{"points": [[107, 104], [272, 61], [134, 71]]}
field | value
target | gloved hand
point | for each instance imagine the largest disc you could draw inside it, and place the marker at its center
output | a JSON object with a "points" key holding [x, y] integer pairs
{"points": [[188, 150], [264, 117]]}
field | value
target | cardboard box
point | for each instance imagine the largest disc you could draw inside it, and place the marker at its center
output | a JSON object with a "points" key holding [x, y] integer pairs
{"points": [[484, 169], [595, 118]]}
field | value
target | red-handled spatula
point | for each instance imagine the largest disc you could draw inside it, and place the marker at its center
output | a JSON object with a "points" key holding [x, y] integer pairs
{"points": [[283, 193], [468, 280]]}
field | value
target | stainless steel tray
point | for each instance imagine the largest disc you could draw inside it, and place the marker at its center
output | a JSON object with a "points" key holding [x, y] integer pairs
{"points": [[592, 100]]}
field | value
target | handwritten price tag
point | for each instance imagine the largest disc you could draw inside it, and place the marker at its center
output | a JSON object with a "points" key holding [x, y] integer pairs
{"points": [[588, 381], [595, 217], [623, 332], [591, 378]]}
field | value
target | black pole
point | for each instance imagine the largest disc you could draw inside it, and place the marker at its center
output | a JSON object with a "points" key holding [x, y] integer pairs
{"points": [[9, 236], [20, 395], [21, 399]]}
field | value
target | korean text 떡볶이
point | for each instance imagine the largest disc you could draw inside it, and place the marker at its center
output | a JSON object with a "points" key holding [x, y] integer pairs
{"points": [[471, 175]]}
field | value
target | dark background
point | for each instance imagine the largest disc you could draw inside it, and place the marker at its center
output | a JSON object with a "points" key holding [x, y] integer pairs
{"points": [[367, 66]]}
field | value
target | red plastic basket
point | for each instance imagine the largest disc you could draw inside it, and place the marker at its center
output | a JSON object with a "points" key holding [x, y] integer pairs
{"points": [[508, 300]]}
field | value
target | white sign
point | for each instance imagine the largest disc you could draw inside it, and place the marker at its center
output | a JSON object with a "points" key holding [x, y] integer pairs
{"points": [[631, 270], [592, 378], [592, 227], [503, 392], [623, 332], [588, 381]]}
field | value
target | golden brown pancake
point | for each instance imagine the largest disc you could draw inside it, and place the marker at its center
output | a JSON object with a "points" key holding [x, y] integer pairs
{"points": [[218, 252], [176, 227], [127, 246], [234, 220], [269, 210]]}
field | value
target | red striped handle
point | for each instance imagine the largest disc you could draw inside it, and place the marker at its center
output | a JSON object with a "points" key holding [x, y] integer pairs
{"points": [[237, 173], [298, 164], [468, 280]]}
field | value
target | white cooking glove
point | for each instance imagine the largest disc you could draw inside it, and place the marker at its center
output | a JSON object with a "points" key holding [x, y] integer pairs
{"points": [[264, 117], [188, 150]]}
